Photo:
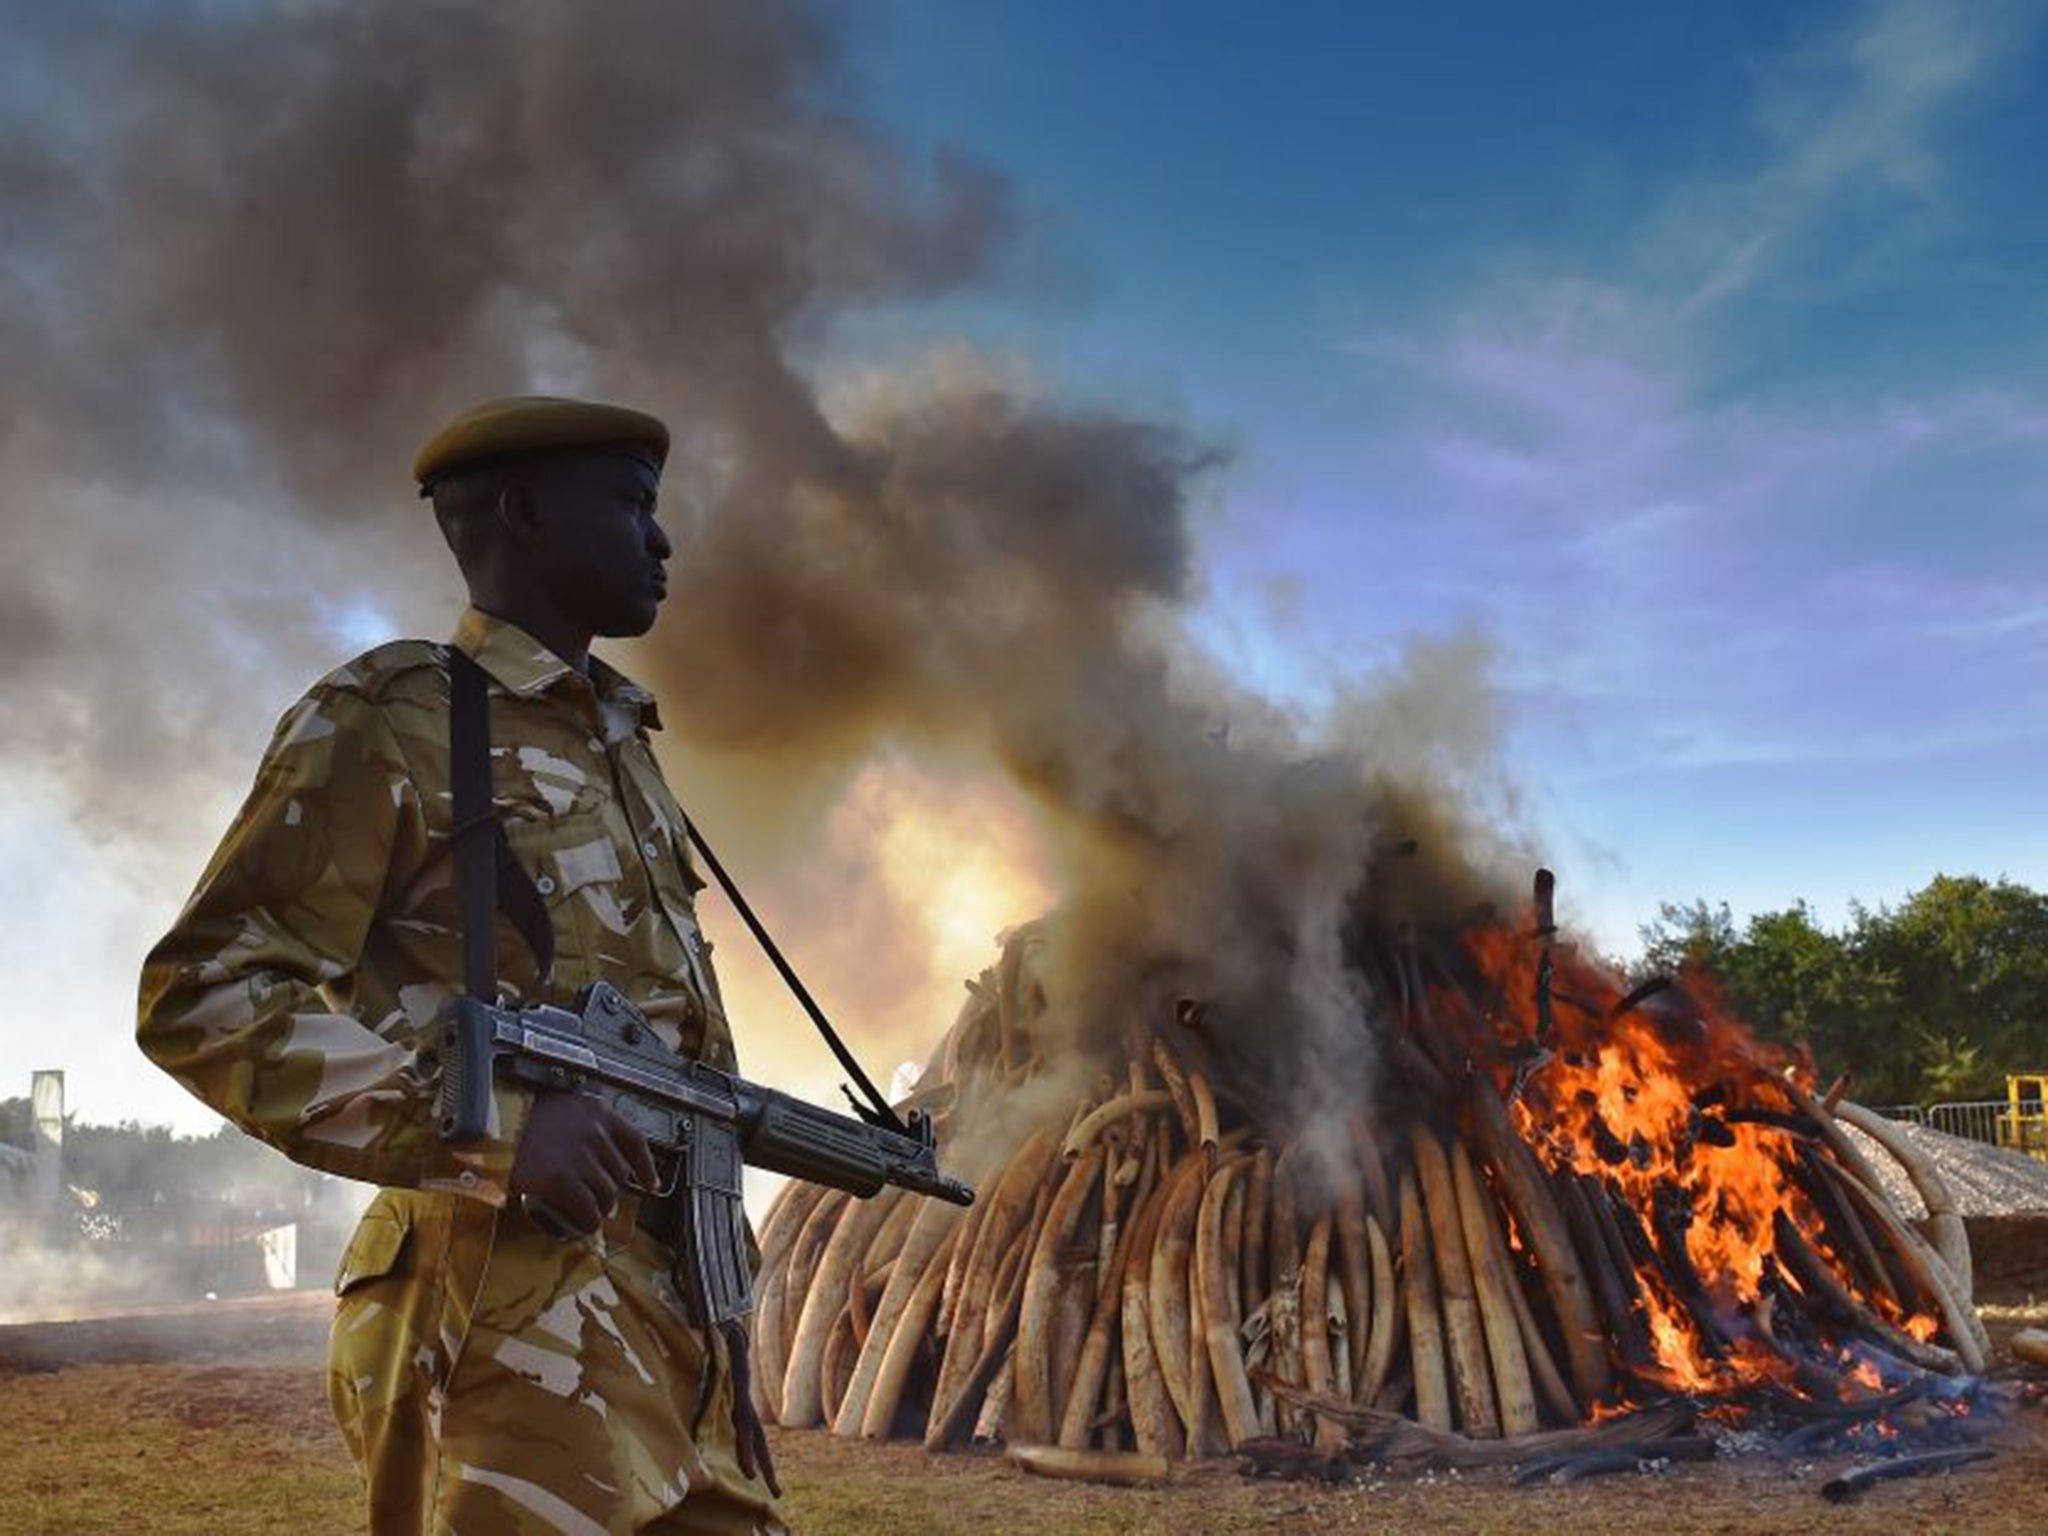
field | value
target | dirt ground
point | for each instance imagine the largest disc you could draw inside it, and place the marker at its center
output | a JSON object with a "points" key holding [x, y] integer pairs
{"points": [[217, 1426]]}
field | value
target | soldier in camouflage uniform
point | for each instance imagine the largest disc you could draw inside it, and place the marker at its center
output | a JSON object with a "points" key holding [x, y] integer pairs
{"points": [[487, 1377]]}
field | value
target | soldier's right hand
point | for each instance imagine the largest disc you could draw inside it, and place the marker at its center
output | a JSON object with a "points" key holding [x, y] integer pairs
{"points": [[575, 1156]]}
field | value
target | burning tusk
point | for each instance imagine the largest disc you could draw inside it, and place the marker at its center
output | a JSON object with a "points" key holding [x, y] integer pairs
{"points": [[1478, 1414], [1010, 1271], [802, 1384], [1951, 1238], [1283, 1307], [1491, 1280], [1153, 1421], [1006, 1207], [1078, 1419], [1831, 1298], [816, 1233], [1316, 1372], [1120, 1467], [1372, 1167], [1542, 1227], [930, 1233], [888, 1240], [1167, 1299], [1175, 1077], [1354, 1263], [1106, 1114], [1206, 1436], [778, 1240], [905, 1334], [1230, 1237], [1206, 1132], [1425, 1319], [835, 1366], [1251, 1246], [998, 1347], [997, 1401], [1542, 1364], [1219, 1318], [1036, 1368], [956, 1268], [1385, 1338], [1965, 1333]]}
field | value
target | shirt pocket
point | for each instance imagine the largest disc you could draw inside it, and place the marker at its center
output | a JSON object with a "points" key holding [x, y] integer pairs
{"points": [[575, 868], [375, 1249]]}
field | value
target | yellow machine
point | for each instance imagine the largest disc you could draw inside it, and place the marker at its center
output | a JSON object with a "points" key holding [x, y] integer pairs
{"points": [[2024, 1124]]}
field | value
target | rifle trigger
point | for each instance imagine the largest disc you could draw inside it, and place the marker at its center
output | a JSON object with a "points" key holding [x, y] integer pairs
{"points": [[668, 1185]]}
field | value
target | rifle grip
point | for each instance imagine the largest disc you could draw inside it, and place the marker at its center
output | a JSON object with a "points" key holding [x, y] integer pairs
{"points": [[463, 1105]]}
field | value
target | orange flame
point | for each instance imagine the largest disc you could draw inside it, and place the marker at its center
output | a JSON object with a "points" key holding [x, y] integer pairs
{"points": [[1680, 1113]]}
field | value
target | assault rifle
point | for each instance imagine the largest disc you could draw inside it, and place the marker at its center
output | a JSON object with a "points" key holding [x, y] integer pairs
{"points": [[701, 1124]]}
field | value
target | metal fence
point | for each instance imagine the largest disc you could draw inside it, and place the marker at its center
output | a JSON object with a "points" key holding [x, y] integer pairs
{"points": [[1983, 1120], [1994, 1122]]}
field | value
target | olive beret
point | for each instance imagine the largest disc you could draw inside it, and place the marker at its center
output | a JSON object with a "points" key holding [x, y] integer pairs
{"points": [[535, 424]]}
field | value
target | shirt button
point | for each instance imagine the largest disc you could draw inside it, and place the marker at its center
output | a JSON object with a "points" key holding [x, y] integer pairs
{"points": [[545, 885], [651, 848]]}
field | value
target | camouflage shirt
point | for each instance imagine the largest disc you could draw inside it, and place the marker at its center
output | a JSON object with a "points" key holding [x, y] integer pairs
{"points": [[304, 974]]}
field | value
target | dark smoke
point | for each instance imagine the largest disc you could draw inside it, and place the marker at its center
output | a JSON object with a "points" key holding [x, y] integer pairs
{"points": [[255, 253]]}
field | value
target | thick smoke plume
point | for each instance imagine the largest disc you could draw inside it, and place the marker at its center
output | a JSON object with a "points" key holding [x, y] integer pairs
{"points": [[256, 253]]}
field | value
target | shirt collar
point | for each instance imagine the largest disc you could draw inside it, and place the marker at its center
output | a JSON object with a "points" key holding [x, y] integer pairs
{"points": [[520, 664]]}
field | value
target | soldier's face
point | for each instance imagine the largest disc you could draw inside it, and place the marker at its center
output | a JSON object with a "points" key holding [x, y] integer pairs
{"points": [[605, 555]]}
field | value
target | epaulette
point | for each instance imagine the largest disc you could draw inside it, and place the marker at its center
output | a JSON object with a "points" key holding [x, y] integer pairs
{"points": [[371, 673]]}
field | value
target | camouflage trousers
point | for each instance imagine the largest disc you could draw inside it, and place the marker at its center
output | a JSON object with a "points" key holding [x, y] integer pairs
{"points": [[491, 1381]]}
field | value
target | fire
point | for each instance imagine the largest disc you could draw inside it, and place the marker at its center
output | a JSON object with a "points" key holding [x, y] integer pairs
{"points": [[1558, 1200], [1684, 1366], [1675, 1118]]}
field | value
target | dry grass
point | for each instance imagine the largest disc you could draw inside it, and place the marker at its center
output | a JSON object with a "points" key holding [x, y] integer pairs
{"points": [[243, 1447], [223, 1451], [173, 1449]]}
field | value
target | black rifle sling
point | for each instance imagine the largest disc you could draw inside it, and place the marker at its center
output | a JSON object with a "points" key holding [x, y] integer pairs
{"points": [[876, 1111], [487, 877]]}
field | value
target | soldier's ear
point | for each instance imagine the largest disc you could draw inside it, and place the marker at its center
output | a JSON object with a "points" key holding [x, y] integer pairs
{"points": [[518, 513]]}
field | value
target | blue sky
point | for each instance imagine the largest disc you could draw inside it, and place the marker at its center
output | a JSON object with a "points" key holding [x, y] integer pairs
{"points": [[1698, 355]]}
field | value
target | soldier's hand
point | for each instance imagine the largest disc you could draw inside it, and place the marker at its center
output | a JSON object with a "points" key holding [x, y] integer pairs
{"points": [[756, 1460], [575, 1156]]}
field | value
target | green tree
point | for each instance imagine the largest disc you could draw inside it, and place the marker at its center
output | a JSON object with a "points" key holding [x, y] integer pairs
{"points": [[1936, 999], [1696, 937], [1969, 962]]}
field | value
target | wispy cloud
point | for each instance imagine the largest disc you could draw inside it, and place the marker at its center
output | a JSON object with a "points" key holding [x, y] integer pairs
{"points": [[1860, 109], [1692, 568]]}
